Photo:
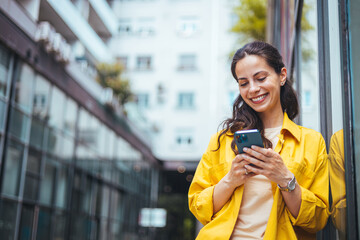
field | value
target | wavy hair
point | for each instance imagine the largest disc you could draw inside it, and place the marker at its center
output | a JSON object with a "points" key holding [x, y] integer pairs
{"points": [[243, 116]]}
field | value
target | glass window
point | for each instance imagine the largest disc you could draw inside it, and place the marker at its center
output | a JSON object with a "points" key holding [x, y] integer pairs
{"points": [[187, 62], [55, 142], [33, 162], [41, 98], [59, 225], [143, 63], [186, 100], [23, 94], [70, 117], [26, 223], [47, 183], [103, 197], [44, 225], [188, 26], [13, 161], [4, 69], [309, 68], [57, 107], [19, 124], [125, 27], [37, 133], [61, 187], [31, 187], [7, 219], [142, 100], [145, 27], [2, 114]]}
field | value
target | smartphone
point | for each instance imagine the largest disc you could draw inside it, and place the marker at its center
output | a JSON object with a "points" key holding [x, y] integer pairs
{"points": [[247, 138]]}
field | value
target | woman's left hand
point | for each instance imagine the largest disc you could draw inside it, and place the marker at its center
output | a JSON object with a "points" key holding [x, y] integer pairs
{"points": [[268, 163]]}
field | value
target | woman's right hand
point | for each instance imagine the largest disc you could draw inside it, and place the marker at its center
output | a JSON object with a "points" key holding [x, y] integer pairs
{"points": [[233, 179], [238, 173]]}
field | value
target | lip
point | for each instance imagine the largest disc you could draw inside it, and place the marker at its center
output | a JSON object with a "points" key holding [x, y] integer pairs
{"points": [[259, 99]]}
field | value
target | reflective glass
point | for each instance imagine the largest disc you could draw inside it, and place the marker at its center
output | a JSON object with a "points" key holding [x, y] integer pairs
{"points": [[31, 187], [310, 111], [23, 94], [44, 225], [19, 124], [7, 219], [47, 183], [26, 222], [57, 108], [61, 187], [59, 226], [4, 69], [33, 162], [13, 160], [41, 98], [2, 114], [70, 116], [37, 133], [68, 148]]}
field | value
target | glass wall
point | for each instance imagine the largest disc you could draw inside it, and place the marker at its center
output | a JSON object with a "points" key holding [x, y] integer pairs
{"points": [[66, 175]]}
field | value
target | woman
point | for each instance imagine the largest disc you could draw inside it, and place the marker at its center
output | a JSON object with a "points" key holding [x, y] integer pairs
{"points": [[277, 192]]}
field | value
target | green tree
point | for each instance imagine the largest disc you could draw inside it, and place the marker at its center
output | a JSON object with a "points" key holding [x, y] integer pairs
{"points": [[252, 20], [251, 24], [109, 76]]}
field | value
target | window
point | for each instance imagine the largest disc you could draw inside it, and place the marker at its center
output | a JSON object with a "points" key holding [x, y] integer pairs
{"points": [[188, 26], [187, 62], [125, 27], [123, 60], [4, 68], [145, 27], [184, 137], [142, 100], [143, 63], [186, 100]]}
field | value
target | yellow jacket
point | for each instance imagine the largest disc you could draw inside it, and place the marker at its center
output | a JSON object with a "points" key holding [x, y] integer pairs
{"points": [[304, 153]]}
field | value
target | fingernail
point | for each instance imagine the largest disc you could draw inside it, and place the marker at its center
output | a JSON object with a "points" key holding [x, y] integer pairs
{"points": [[245, 148]]}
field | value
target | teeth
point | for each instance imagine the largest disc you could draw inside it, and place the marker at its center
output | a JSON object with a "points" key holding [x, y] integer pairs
{"points": [[258, 98]]}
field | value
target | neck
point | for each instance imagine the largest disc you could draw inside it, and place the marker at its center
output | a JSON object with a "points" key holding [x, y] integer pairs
{"points": [[272, 119]]}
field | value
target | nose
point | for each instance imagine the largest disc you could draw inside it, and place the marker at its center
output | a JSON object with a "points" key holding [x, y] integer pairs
{"points": [[254, 87]]}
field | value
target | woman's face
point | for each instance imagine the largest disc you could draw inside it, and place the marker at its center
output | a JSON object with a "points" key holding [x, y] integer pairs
{"points": [[259, 84]]}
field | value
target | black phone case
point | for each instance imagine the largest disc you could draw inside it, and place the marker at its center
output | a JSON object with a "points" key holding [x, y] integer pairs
{"points": [[247, 138]]}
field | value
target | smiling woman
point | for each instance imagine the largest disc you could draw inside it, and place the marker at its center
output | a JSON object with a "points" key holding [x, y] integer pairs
{"points": [[276, 192]]}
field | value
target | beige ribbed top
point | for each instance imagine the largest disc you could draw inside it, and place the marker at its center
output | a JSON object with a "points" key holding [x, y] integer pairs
{"points": [[256, 202]]}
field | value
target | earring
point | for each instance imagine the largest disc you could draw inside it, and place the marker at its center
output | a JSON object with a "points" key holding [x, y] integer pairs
{"points": [[282, 83]]}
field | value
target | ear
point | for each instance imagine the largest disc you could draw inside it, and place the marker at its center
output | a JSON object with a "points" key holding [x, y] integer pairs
{"points": [[283, 75]]}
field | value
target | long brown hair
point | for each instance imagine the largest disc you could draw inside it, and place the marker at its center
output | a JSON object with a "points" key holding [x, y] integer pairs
{"points": [[243, 116]]}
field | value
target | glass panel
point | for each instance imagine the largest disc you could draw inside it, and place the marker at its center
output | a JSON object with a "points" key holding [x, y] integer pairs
{"points": [[44, 225], [59, 226], [309, 68], [2, 114], [55, 142], [60, 198], [47, 183], [37, 133], [41, 98], [31, 187], [68, 148], [70, 117], [19, 124], [13, 160], [34, 162], [27, 215], [7, 219], [57, 108], [4, 68], [23, 95]]}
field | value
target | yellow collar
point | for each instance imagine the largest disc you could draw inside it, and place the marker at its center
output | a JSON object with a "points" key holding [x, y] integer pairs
{"points": [[291, 127]]}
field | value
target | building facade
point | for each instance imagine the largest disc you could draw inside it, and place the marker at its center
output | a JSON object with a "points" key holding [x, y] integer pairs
{"points": [[178, 59], [72, 166]]}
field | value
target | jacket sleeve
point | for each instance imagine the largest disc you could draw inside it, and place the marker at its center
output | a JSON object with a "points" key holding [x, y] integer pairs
{"points": [[201, 190], [314, 209]]}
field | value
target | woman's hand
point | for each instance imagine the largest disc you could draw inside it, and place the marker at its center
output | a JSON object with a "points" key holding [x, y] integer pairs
{"points": [[238, 173], [268, 163], [234, 178]]}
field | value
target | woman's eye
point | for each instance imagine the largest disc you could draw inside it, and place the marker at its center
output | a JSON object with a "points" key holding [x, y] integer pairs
{"points": [[261, 79], [243, 84]]}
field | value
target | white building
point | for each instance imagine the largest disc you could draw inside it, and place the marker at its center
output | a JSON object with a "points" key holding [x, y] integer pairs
{"points": [[176, 53]]}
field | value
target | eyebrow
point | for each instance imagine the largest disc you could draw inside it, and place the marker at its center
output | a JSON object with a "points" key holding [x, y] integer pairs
{"points": [[244, 78]]}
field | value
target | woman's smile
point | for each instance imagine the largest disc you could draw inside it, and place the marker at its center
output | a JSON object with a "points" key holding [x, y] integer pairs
{"points": [[259, 99]]}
